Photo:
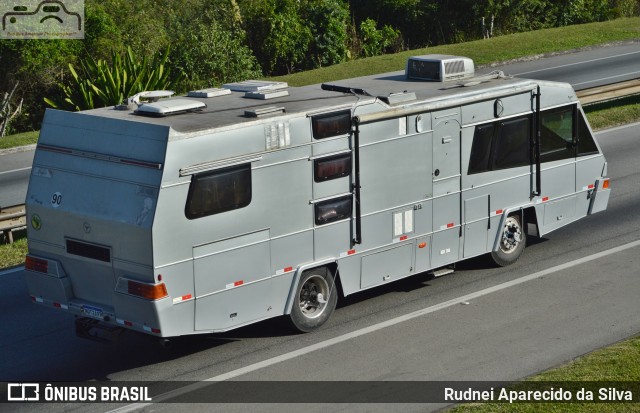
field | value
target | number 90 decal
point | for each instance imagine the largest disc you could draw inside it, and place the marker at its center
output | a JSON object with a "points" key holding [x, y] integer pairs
{"points": [[56, 199]]}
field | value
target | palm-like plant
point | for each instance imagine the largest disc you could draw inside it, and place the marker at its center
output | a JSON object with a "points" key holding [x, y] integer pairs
{"points": [[98, 83]]}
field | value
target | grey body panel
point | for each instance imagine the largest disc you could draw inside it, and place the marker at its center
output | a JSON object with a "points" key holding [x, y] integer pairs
{"points": [[420, 209]]}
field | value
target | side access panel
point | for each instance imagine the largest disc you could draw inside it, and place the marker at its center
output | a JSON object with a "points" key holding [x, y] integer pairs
{"points": [[385, 266], [232, 281]]}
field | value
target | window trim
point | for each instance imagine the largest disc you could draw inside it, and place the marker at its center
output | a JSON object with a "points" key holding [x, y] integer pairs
{"points": [[319, 204], [243, 168], [319, 134], [330, 158]]}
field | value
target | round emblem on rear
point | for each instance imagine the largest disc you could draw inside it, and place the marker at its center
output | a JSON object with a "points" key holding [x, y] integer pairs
{"points": [[36, 222]]}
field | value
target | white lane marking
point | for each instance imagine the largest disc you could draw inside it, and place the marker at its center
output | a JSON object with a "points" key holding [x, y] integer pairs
{"points": [[327, 343], [15, 170], [576, 63], [605, 78]]}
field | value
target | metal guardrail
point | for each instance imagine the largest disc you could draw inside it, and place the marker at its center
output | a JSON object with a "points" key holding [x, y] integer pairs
{"points": [[14, 218], [609, 92], [11, 219]]}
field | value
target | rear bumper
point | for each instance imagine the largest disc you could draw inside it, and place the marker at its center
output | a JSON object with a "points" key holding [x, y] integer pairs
{"points": [[127, 312]]}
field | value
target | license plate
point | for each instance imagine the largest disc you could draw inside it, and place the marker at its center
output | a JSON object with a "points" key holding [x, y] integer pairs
{"points": [[90, 311]]}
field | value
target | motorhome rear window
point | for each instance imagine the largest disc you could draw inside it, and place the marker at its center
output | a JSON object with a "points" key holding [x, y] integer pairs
{"points": [[333, 210], [331, 167], [219, 191], [331, 124]]}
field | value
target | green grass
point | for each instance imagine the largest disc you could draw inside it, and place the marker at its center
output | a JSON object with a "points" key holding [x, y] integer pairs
{"points": [[19, 139], [620, 362], [483, 52], [13, 254], [614, 113]]}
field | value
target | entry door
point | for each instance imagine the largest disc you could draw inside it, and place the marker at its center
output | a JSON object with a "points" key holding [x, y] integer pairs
{"points": [[446, 187]]}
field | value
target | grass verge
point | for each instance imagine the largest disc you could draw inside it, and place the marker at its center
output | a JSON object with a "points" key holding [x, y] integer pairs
{"points": [[13, 254], [19, 139], [483, 52], [620, 362], [614, 113]]}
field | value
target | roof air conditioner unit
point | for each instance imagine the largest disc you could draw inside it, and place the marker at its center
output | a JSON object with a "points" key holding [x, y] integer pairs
{"points": [[439, 68]]}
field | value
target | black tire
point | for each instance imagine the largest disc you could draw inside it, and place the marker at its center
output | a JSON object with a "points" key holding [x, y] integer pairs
{"points": [[315, 299], [512, 241]]}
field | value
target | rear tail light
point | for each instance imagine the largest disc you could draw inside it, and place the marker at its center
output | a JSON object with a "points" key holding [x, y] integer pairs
{"points": [[36, 264], [605, 184], [148, 291]]}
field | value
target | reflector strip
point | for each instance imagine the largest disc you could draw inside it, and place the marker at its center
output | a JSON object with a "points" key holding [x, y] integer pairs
{"points": [[155, 330], [235, 284], [404, 237], [449, 225], [499, 212], [605, 184], [128, 323], [422, 245], [183, 298], [545, 199], [284, 270], [345, 254]]}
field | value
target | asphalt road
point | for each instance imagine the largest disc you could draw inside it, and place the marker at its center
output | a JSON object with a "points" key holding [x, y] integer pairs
{"points": [[585, 69], [559, 301], [15, 168]]}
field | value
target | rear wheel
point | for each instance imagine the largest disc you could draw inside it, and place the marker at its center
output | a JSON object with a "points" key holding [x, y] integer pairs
{"points": [[315, 300], [512, 242]]}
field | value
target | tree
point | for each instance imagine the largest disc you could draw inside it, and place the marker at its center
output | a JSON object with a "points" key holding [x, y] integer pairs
{"points": [[277, 34], [328, 21]]}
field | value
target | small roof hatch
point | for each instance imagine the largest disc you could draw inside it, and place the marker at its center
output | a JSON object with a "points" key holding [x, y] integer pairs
{"points": [[208, 93], [169, 107], [255, 86]]}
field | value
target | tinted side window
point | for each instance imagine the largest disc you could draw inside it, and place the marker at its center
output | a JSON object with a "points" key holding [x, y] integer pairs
{"points": [[481, 149], [333, 210], [512, 144], [332, 167], [331, 124], [556, 135], [219, 191], [586, 144]]}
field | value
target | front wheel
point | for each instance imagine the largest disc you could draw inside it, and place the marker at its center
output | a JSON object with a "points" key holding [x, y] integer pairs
{"points": [[315, 300], [512, 242]]}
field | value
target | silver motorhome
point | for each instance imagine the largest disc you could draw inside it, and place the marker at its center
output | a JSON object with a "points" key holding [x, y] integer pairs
{"points": [[229, 206]]}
